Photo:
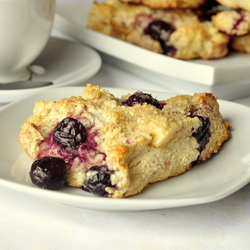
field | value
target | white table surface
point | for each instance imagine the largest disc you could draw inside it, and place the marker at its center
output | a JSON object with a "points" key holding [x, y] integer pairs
{"points": [[32, 223]]}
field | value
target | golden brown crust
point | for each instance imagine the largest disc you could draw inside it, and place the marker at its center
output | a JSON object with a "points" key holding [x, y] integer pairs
{"points": [[99, 17], [241, 44], [142, 144], [203, 39], [232, 22], [236, 4]]}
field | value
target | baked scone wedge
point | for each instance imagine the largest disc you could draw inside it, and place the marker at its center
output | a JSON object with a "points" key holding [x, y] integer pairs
{"points": [[116, 147], [241, 43], [236, 4], [232, 22], [179, 33]]}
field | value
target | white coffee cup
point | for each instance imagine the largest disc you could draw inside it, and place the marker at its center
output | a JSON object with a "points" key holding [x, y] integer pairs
{"points": [[25, 27]]}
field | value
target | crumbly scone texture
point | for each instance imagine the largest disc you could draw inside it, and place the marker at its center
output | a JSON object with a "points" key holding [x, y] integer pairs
{"points": [[139, 145], [236, 4], [204, 105], [241, 44], [168, 3], [203, 39], [232, 22], [187, 37]]}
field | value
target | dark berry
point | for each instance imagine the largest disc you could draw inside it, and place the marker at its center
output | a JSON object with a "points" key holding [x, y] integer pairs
{"points": [[98, 178], [49, 173], [202, 134], [210, 4], [70, 133], [161, 31], [207, 10], [140, 98]]}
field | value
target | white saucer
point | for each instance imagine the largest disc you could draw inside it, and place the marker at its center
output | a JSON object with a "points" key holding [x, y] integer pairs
{"points": [[64, 63]]}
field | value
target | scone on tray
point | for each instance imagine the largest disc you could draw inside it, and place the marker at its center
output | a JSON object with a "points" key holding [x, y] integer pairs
{"points": [[235, 22], [236, 4], [232, 22], [179, 33], [115, 147], [168, 3], [241, 43]]}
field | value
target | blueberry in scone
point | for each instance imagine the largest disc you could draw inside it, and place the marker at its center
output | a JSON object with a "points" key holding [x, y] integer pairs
{"points": [[49, 173]]}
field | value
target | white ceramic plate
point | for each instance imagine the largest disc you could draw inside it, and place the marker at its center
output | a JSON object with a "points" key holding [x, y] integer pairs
{"points": [[227, 78], [215, 179], [64, 63]]}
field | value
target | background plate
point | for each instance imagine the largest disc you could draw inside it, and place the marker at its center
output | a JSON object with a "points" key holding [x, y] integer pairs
{"points": [[65, 63], [228, 78], [215, 179]]}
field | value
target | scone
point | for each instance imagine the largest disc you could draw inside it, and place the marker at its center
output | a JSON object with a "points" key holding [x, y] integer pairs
{"points": [[178, 33], [236, 4], [232, 22], [168, 3], [116, 147], [241, 44]]}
